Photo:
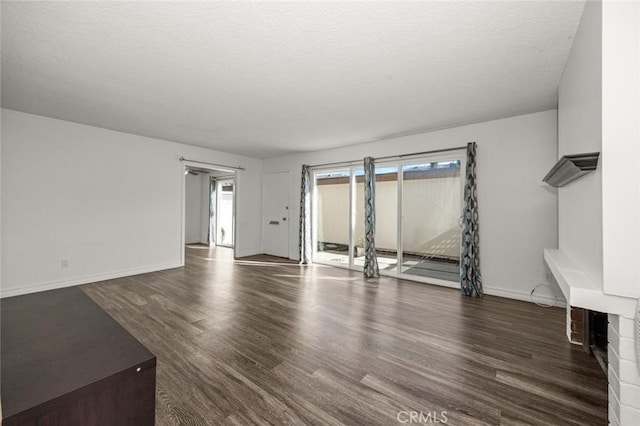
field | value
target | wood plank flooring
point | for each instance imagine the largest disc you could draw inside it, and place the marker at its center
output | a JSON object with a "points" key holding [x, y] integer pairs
{"points": [[265, 341]]}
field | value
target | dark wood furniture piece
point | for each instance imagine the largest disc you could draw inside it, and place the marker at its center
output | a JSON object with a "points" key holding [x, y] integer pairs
{"points": [[65, 361]]}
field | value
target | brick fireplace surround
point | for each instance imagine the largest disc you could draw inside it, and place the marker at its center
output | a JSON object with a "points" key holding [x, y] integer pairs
{"points": [[624, 377], [622, 371]]}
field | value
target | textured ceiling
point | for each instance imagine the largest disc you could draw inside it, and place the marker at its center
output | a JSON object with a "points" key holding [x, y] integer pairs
{"points": [[265, 79]]}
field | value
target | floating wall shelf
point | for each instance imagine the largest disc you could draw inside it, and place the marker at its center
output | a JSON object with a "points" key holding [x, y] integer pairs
{"points": [[570, 168]]}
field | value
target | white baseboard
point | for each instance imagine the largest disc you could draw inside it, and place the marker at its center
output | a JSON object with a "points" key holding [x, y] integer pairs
{"points": [[526, 297], [52, 285], [249, 252]]}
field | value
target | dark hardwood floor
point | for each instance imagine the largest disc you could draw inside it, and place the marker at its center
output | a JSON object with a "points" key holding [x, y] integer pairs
{"points": [[265, 341]]}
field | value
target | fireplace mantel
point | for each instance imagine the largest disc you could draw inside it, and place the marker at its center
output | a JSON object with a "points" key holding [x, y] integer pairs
{"points": [[583, 291]]}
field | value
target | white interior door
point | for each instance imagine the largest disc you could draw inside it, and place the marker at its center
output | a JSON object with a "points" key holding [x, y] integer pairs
{"points": [[275, 208]]}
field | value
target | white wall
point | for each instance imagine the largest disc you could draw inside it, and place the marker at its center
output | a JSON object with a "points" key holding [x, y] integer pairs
{"points": [[108, 202], [193, 208], [580, 131], [518, 213], [621, 147]]}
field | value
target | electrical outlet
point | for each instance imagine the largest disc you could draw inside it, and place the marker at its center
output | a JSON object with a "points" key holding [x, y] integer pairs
{"points": [[65, 263], [547, 275]]}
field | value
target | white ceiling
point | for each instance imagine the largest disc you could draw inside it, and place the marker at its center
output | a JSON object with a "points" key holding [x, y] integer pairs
{"points": [[266, 79]]}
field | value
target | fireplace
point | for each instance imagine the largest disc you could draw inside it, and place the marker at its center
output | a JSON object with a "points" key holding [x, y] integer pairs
{"points": [[589, 329], [598, 341]]}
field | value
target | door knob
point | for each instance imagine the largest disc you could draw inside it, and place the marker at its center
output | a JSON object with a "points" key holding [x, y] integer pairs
{"points": [[284, 218]]}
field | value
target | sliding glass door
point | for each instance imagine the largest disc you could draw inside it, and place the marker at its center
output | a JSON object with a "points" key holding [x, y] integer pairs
{"points": [[418, 206], [332, 217]]}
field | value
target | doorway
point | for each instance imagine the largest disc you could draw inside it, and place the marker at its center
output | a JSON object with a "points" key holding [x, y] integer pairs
{"points": [[209, 208]]}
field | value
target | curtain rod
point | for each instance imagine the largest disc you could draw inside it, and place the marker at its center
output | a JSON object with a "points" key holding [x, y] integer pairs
{"points": [[212, 164], [435, 151]]}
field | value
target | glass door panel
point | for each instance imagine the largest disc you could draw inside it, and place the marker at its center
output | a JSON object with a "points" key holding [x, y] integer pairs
{"points": [[431, 207], [387, 217], [331, 212]]}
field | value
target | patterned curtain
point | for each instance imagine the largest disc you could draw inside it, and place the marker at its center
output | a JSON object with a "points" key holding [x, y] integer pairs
{"points": [[305, 216], [370, 259], [212, 211], [470, 278]]}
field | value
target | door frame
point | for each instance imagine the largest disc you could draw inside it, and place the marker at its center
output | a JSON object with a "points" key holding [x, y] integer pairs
{"points": [[183, 206], [288, 172]]}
